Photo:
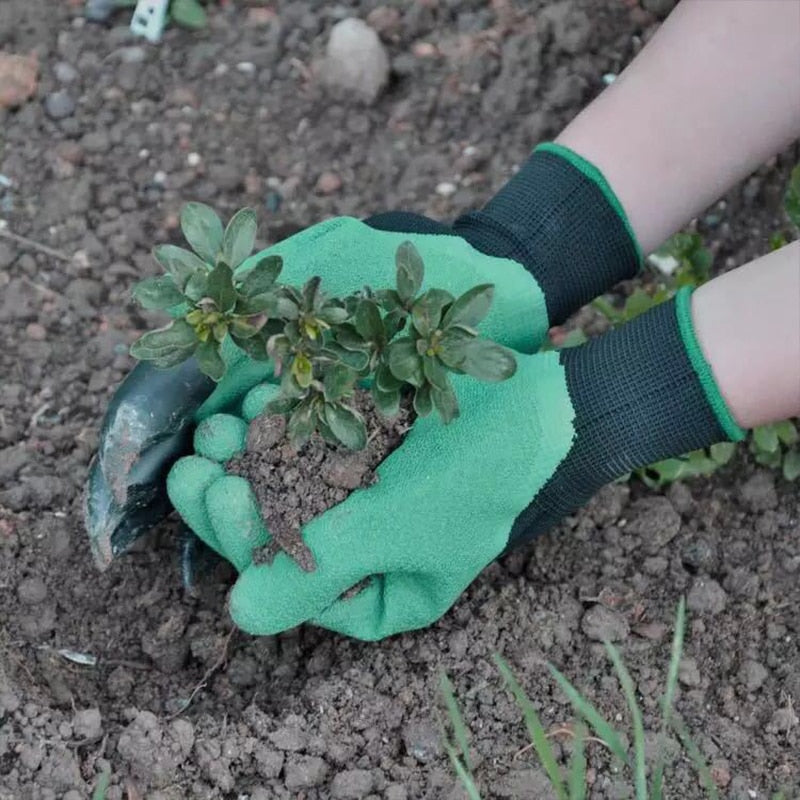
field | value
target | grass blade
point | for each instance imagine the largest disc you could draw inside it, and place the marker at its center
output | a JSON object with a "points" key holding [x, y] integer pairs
{"points": [[100, 790], [577, 766], [457, 721], [463, 773], [535, 729], [657, 787], [640, 777], [592, 716], [697, 758]]}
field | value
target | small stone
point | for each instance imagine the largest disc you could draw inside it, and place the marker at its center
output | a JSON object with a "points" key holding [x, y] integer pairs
{"points": [[303, 772], [345, 470], [225, 176], [288, 738], [352, 784], [19, 78], [96, 142], [36, 332], [706, 597], [422, 740], [758, 493], [64, 72], [32, 591], [328, 183], [246, 67], [384, 19], [655, 521], [688, 673], [193, 159], [752, 674], [59, 105], [699, 554], [131, 55], [99, 10], [265, 431], [87, 724], [720, 774], [602, 624], [445, 189], [160, 177], [356, 60]]}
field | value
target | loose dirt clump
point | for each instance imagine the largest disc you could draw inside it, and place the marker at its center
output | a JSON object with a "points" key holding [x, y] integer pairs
{"points": [[294, 486]]}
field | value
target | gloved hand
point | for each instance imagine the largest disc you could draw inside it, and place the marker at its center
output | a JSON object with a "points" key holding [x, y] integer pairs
{"points": [[552, 239], [452, 498]]}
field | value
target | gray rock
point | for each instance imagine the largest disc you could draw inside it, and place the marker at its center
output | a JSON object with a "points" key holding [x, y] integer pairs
{"points": [[706, 597], [356, 60], [758, 493], [303, 772], [569, 25], [32, 591], [88, 724], [59, 105], [225, 176], [752, 674], [99, 10], [422, 740], [64, 72], [352, 784], [602, 624], [96, 142], [7, 254], [688, 673], [655, 521], [289, 738], [699, 554]]}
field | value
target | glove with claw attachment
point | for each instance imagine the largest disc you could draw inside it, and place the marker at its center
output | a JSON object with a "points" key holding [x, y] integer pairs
{"points": [[452, 498], [550, 240]]}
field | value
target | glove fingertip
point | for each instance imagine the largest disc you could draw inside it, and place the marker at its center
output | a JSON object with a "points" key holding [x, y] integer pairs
{"points": [[257, 398], [187, 483], [220, 437]]}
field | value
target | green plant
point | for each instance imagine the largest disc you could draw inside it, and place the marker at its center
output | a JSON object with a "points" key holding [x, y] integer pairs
{"points": [[571, 784], [400, 341], [101, 787]]}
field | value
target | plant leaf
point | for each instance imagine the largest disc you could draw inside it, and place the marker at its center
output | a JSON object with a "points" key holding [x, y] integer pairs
{"points": [[387, 403], [220, 287], [404, 361], [209, 360], [247, 327], [385, 381], [167, 346], [426, 313], [435, 372], [261, 278], [303, 370], [410, 272], [357, 360], [254, 346], [301, 423], [178, 262], [239, 237], [423, 404], [453, 347], [787, 432], [791, 465], [722, 452], [368, 322], [389, 300], [350, 339], [158, 293], [456, 720], [188, 13], [333, 314], [203, 230], [338, 382], [766, 438], [196, 287], [445, 403], [488, 361], [346, 425], [311, 294], [471, 307]]}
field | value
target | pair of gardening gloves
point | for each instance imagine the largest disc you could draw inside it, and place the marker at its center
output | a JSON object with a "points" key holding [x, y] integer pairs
{"points": [[522, 454]]}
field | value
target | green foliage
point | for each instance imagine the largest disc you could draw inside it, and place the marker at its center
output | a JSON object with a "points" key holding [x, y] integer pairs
{"points": [[776, 446], [101, 787], [571, 784], [402, 341], [791, 199]]}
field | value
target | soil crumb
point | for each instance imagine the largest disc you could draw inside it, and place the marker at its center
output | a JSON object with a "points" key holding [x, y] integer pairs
{"points": [[293, 487]]}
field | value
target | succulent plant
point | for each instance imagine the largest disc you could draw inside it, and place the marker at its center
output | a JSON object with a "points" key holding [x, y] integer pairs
{"points": [[398, 341]]}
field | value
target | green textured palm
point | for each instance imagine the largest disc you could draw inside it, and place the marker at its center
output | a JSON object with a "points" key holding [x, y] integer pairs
{"points": [[349, 254], [441, 511]]}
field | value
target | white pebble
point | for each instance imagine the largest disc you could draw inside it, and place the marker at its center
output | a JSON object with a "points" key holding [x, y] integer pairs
{"points": [[446, 189], [247, 67], [193, 159], [144, 153], [160, 177]]}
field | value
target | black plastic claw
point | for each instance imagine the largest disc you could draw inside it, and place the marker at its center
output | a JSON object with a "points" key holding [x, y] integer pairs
{"points": [[148, 425]]}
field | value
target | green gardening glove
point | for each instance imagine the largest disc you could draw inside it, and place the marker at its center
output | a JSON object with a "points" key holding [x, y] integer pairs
{"points": [[452, 498]]}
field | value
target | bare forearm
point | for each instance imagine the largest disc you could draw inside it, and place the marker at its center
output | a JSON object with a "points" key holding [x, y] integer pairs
{"points": [[714, 94], [748, 325]]}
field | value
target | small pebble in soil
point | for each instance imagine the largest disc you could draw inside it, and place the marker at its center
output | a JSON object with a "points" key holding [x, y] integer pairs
{"points": [[603, 624], [59, 105], [706, 597], [356, 60]]}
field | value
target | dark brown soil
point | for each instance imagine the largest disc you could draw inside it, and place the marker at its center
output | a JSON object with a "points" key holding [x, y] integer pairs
{"points": [[293, 486], [166, 698]]}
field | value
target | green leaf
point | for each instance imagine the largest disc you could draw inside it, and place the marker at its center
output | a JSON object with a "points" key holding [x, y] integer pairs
{"points": [[426, 313], [220, 287], [286, 308], [203, 230], [209, 360], [338, 382], [311, 294], [239, 237], [771, 460], [387, 403], [178, 262], [389, 300], [265, 303], [333, 314], [301, 423], [346, 425], [639, 302], [261, 278], [404, 361], [349, 338], [196, 287], [158, 293], [410, 272], [722, 452], [368, 322], [791, 200], [471, 307], [456, 720], [385, 381], [289, 385], [188, 13], [787, 432], [255, 346], [445, 403], [357, 360], [393, 323], [697, 758], [765, 438], [435, 372], [247, 327], [423, 404], [791, 465], [101, 787], [167, 346], [281, 405], [453, 347], [303, 370], [488, 361]]}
